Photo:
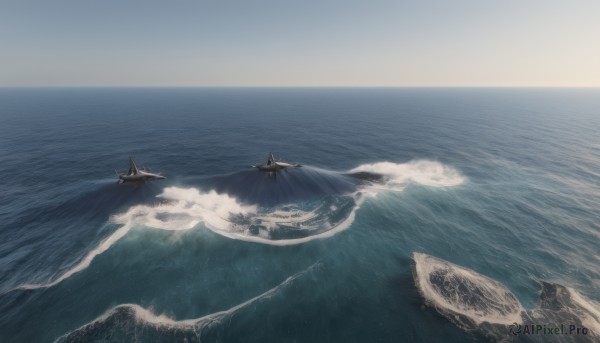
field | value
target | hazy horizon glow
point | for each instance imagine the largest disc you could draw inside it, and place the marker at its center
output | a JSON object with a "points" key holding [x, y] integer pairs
{"points": [[307, 43]]}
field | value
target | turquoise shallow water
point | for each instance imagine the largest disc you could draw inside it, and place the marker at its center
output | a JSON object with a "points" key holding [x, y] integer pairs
{"points": [[501, 181]]}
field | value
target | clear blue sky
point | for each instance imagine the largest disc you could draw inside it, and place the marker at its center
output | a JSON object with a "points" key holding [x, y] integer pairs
{"points": [[299, 43]]}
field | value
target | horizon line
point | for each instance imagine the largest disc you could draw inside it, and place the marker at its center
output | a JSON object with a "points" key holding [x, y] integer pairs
{"points": [[291, 87]]}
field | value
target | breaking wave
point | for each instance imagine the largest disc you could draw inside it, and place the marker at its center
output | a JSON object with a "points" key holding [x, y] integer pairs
{"points": [[131, 322], [311, 204], [396, 176]]}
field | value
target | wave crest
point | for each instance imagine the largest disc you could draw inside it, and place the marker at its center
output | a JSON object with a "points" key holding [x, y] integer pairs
{"points": [[131, 322], [423, 172], [327, 205]]}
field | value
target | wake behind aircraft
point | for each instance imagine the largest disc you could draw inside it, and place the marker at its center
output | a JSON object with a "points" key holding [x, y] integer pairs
{"points": [[138, 175], [274, 165]]}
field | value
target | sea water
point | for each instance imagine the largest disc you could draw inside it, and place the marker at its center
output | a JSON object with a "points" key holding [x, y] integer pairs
{"points": [[501, 186]]}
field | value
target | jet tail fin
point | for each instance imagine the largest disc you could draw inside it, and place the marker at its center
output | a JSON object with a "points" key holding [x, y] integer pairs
{"points": [[133, 169]]}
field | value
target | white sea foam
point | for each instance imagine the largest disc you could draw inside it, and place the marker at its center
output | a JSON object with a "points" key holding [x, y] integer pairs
{"points": [[588, 312], [456, 291], [185, 208], [85, 262], [424, 172], [287, 216], [475, 302], [147, 317], [329, 232]]}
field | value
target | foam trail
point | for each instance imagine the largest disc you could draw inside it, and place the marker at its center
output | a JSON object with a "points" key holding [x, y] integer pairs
{"points": [[423, 172], [188, 207], [185, 208], [345, 224], [191, 207], [464, 296], [85, 262], [205, 321], [137, 316]]}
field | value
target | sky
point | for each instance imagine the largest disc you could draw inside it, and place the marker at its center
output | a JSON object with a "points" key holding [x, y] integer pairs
{"points": [[300, 43]]}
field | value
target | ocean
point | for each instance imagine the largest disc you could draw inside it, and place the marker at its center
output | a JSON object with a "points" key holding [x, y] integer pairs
{"points": [[418, 215]]}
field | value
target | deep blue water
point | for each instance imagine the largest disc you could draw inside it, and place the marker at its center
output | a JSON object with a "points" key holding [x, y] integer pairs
{"points": [[505, 182]]}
